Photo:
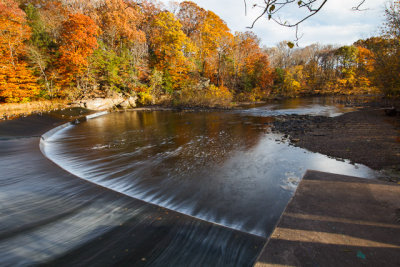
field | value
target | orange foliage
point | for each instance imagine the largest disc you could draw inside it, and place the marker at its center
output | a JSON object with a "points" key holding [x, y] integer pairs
{"points": [[148, 51], [365, 59], [16, 81], [216, 44], [191, 17], [261, 70], [215, 35], [120, 21], [78, 37], [251, 61]]}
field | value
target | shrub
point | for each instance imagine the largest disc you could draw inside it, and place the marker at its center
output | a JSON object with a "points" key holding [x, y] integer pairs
{"points": [[212, 96]]}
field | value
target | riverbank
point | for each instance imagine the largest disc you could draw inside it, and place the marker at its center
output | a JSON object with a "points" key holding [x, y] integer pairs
{"points": [[367, 136], [14, 111], [10, 111]]}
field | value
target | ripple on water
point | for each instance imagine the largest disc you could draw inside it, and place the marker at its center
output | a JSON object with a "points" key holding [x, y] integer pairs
{"points": [[214, 168]]}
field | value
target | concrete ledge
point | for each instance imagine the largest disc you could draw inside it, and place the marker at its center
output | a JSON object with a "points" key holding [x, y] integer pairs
{"points": [[336, 220], [53, 131]]}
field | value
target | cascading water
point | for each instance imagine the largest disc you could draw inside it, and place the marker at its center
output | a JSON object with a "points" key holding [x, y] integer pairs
{"points": [[222, 167]]}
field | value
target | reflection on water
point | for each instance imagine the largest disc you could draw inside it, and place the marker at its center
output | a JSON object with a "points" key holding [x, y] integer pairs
{"points": [[223, 167]]}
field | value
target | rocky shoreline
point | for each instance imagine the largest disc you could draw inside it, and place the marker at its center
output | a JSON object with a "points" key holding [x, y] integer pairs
{"points": [[367, 136]]}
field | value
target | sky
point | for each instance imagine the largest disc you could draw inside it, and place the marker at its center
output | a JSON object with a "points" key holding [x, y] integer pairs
{"points": [[335, 24]]}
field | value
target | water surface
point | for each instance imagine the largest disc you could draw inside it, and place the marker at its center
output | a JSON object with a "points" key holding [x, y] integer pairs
{"points": [[222, 167], [315, 106]]}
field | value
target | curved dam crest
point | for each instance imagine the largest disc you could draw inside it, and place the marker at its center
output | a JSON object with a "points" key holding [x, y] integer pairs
{"points": [[51, 134], [50, 217], [245, 187]]}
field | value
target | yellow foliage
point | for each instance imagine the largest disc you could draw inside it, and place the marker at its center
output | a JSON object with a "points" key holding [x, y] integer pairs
{"points": [[218, 95], [293, 80], [145, 96], [172, 48], [257, 94], [211, 97]]}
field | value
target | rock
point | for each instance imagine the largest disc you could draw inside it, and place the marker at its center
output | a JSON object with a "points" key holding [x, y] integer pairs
{"points": [[108, 103], [124, 104], [102, 103], [204, 83], [129, 102]]}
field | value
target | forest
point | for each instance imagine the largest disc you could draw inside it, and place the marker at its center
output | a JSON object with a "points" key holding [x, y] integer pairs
{"points": [[180, 55]]}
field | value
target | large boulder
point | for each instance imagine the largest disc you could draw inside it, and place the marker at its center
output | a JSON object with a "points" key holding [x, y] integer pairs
{"points": [[110, 102], [130, 102], [102, 103]]}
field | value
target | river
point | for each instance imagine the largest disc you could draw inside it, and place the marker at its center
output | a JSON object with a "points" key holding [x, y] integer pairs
{"points": [[224, 167]]}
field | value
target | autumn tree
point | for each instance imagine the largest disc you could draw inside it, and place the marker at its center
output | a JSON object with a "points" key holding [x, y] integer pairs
{"points": [[310, 57], [195, 24], [391, 27], [281, 55], [17, 82], [346, 65], [388, 58], [365, 68], [119, 23], [385, 54], [191, 17], [149, 10], [252, 70], [41, 49], [86, 7], [171, 50], [51, 13], [78, 41], [380, 56], [216, 45], [121, 58], [223, 58], [188, 54], [317, 69]]}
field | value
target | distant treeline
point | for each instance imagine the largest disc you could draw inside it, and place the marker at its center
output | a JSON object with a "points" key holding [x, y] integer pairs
{"points": [[182, 54]]}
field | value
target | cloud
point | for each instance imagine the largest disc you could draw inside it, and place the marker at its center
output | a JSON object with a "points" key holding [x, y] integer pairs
{"points": [[337, 23]]}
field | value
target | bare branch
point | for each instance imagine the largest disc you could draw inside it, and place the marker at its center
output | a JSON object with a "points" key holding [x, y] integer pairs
{"points": [[297, 36], [357, 8], [271, 9]]}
